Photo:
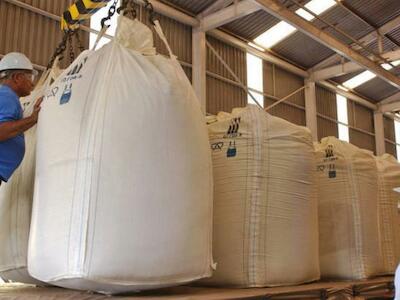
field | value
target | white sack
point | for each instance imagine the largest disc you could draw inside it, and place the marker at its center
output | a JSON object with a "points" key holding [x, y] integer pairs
{"points": [[348, 219], [16, 200], [123, 191], [389, 217], [265, 208]]}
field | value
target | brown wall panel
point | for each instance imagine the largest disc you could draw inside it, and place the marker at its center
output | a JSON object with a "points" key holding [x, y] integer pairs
{"points": [[360, 116], [326, 128], [234, 57], [388, 124], [362, 140], [391, 149], [285, 111], [223, 96], [33, 34], [326, 102], [280, 83]]}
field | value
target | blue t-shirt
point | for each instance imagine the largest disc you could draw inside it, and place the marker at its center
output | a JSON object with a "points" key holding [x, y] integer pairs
{"points": [[12, 151]]}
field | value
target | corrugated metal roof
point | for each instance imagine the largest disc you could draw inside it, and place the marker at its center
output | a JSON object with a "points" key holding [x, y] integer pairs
{"points": [[252, 25], [304, 51], [376, 89], [192, 6], [377, 12]]}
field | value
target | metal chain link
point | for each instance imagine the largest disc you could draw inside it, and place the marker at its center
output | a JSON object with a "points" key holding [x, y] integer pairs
{"points": [[78, 41], [62, 46], [150, 8], [111, 12], [71, 48], [128, 9]]}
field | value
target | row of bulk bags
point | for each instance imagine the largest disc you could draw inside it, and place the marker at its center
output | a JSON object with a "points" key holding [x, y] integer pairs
{"points": [[348, 219], [123, 191], [265, 207], [388, 211], [16, 199]]}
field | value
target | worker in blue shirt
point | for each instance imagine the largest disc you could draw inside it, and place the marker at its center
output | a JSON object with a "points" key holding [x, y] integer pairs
{"points": [[16, 78]]}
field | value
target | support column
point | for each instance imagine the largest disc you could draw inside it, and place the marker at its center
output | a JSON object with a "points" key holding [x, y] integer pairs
{"points": [[379, 133], [199, 54], [311, 108]]}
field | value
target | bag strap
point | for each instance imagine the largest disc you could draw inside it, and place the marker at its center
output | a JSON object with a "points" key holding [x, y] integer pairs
{"points": [[101, 33], [160, 33]]}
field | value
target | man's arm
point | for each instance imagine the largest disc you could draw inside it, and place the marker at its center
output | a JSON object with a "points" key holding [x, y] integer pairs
{"points": [[10, 129]]}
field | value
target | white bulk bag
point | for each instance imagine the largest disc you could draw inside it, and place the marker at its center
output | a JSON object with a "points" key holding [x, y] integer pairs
{"points": [[16, 200], [123, 191], [265, 208], [348, 219], [389, 217]]}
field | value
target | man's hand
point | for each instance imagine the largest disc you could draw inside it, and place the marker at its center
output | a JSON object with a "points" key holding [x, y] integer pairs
{"points": [[36, 109], [11, 129]]}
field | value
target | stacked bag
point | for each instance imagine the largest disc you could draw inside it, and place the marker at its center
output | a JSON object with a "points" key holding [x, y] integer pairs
{"points": [[388, 211], [348, 204], [265, 206], [123, 191]]}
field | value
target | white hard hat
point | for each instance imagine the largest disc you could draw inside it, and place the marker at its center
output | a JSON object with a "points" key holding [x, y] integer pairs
{"points": [[16, 61]]}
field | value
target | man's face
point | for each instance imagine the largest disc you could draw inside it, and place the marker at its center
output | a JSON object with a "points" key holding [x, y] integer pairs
{"points": [[24, 82]]}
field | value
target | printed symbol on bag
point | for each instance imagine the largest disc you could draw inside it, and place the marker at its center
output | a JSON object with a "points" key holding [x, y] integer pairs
{"points": [[231, 152], [233, 130], [77, 68], [74, 72], [217, 146], [332, 174], [53, 92], [329, 151], [320, 168], [66, 96]]}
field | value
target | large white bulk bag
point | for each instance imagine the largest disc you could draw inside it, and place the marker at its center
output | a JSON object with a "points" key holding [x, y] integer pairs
{"points": [[348, 219], [389, 217], [16, 200], [123, 191], [265, 208]]}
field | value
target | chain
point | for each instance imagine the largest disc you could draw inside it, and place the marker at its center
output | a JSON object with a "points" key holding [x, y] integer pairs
{"points": [[71, 48], [62, 46], [150, 8], [78, 41], [128, 8], [111, 12]]}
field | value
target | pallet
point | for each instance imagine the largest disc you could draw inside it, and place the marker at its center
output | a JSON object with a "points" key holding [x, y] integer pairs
{"points": [[377, 288]]}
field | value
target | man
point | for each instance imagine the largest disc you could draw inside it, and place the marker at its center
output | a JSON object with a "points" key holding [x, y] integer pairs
{"points": [[16, 79]]}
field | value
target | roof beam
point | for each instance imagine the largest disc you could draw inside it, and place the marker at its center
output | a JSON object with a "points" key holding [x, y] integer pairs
{"points": [[366, 40], [229, 14], [393, 98], [389, 107], [349, 95], [227, 38], [334, 71], [348, 67], [278, 10]]}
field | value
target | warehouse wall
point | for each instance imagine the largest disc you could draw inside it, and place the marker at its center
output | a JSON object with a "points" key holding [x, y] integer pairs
{"points": [[326, 112], [278, 84], [33, 34], [390, 136], [223, 93], [361, 121]]}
